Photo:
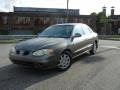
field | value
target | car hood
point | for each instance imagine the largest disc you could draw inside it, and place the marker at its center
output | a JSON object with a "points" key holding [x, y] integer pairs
{"points": [[40, 43]]}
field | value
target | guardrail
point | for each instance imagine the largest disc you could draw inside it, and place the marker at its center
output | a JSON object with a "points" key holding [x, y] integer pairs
{"points": [[108, 36], [9, 37]]}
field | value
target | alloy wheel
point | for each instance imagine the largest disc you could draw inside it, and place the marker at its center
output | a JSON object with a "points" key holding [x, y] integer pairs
{"points": [[64, 61]]}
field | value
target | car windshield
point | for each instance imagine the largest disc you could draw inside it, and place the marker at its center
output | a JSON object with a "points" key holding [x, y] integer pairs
{"points": [[62, 31]]}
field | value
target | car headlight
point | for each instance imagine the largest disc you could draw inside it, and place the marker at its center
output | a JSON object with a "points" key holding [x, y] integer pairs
{"points": [[43, 52], [13, 50]]}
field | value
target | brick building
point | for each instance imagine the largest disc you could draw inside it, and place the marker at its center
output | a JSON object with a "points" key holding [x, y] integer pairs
{"points": [[113, 23], [25, 20]]}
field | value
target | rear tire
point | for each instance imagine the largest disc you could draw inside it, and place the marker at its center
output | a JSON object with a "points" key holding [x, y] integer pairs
{"points": [[94, 49], [64, 61]]}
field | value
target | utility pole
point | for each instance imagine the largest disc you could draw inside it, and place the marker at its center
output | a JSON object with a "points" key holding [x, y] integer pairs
{"points": [[67, 10]]}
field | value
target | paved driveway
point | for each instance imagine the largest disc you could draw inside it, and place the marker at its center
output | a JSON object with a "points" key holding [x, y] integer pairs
{"points": [[97, 72]]}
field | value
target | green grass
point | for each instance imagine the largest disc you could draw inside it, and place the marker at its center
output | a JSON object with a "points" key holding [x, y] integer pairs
{"points": [[116, 38]]}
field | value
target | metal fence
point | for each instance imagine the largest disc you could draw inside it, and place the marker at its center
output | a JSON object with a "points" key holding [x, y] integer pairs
{"points": [[108, 36], [9, 37]]}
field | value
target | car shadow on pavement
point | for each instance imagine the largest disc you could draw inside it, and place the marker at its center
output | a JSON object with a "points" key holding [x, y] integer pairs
{"points": [[87, 58], [105, 50], [13, 77]]}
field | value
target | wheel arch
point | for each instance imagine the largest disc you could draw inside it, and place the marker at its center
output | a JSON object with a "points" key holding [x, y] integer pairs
{"points": [[68, 51]]}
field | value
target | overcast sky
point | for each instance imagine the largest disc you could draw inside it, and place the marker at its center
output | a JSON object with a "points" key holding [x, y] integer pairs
{"points": [[85, 6]]}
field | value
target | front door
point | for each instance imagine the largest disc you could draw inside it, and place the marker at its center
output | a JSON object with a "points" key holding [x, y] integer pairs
{"points": [[78, 42]]}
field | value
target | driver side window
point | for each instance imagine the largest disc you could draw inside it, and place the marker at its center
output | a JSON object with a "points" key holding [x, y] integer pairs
{"points": [[78, 29]]}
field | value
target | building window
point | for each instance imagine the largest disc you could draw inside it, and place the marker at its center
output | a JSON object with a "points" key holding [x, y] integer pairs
{"points": [[41, 21], [3, 19], [22, 20], [89, 21]]}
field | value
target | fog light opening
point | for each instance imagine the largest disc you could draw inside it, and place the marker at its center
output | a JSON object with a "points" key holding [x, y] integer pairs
{"points": [[38, 65]]}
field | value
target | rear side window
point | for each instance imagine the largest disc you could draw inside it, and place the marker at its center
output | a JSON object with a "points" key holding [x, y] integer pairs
{"points": [[90, 29], [86, 29]]}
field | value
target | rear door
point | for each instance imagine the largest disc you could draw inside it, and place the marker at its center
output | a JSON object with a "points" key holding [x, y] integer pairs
{"points": [[88, 36]]}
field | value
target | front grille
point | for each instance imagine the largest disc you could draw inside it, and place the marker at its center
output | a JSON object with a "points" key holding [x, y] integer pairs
{"points": [[18, 52], [24, 63], [26, 53], [22, 52]]}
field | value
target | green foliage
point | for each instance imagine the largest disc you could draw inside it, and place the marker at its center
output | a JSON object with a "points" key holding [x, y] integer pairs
{"points": [[38, 29], [3, 32], [94, 14], [101, 19]]}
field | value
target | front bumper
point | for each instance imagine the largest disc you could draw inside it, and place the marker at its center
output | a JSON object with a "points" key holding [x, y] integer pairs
{"points": [[35, 61]]}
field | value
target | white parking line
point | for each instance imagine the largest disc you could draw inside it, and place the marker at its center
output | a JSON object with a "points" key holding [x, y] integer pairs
{"points": [[112, 47]]}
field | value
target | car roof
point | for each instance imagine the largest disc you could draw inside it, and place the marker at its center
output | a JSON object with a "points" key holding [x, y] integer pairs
{"points": [[71, 24]]}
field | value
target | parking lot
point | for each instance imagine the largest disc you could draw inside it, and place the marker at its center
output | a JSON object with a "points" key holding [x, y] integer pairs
{"points": [[97, 72]]}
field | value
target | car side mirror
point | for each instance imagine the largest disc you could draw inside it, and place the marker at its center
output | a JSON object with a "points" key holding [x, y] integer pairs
{"points": [[77, 35]]}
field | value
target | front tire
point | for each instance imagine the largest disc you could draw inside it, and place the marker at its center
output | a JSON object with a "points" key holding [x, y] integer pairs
{"points": [[64, 62]]}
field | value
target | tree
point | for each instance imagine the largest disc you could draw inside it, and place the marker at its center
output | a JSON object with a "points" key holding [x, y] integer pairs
{"points": [[101, 19], [93, 14], [100, 22]]}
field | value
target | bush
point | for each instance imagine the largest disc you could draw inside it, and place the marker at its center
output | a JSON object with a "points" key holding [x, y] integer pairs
{"points": [[4, 32]]}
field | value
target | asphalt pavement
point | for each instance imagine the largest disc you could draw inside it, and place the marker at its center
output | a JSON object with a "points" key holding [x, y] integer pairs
{"points": [[88, 72]]}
